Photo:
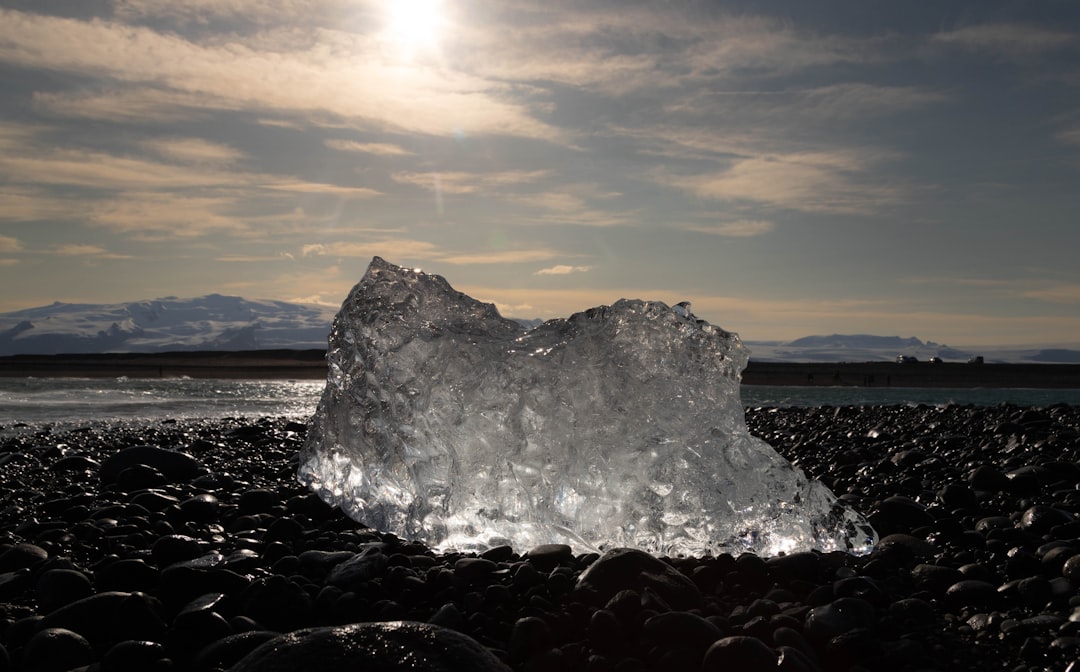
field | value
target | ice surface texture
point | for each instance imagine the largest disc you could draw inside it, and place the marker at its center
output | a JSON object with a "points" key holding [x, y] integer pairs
{"points": [[620, 426]]}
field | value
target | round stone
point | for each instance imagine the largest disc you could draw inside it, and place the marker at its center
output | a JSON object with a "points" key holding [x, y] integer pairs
{"points": [[373, 647]]}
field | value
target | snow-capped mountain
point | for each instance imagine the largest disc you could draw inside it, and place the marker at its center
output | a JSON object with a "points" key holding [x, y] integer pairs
{"points": [[217, 322], [212, 322], [868, 348]]}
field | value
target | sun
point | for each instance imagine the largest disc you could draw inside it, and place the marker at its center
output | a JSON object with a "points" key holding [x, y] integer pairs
{"points": [[413, 26]]}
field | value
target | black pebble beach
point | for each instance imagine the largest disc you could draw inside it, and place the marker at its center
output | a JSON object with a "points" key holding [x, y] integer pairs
{"points": [[189, 545]]}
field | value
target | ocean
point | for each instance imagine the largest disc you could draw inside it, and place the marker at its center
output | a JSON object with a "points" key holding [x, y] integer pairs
{"points": [[73, 401]]}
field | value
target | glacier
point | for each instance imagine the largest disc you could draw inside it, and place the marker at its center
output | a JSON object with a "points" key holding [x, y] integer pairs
{"points": [[620, 426]]}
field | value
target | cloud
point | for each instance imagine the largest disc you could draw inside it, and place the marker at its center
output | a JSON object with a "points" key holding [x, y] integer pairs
{"points": [[563, 269], [377, 148], [95, 252], [1070, 136], [194, 150], [405, 249], [469, 183], [101, 170], [1007, 39], [499, 257], [316, 74], [390, 247], [201, 12], [742, 228], [814, 182], [1066, 293], [9, 244], [139, 105], [29, 204], [248, 259]]}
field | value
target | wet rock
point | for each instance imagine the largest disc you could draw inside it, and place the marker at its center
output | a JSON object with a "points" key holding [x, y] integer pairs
{"points": [[57, 587], [838, 617], [747, 654], [623, 568], [971, 593], [175, 465], [21, 556], [134, 655], [56, 650], [374, 647]]}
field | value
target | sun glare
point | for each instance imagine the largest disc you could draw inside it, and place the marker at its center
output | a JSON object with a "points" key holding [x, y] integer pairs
{"points": [[413, 25]]}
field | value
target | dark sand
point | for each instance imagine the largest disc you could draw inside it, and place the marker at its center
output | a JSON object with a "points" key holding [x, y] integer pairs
{"points": [[311, 365]]}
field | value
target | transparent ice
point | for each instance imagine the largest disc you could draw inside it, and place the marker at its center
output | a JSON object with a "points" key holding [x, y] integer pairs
{"points": [[620, 426]]}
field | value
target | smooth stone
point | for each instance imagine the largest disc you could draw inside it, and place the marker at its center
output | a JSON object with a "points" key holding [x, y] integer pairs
{"points": [[57, 587], [22, 556], [154, 500], [92, 617], [746, 654], [277, 603], [128, 574], [935, 578], [369, 564], [132, 655], [13, 584], [802, 566], [1040, 519], [202, 508], [173, 548], [373, 647], [682, 628], [548, 556], [906, 546], [530, 636], [623, 568], [74, 463], [988, 479], [1071, 570], [971, 593], [139, 477], [474, 570], [56, 650], [173, 464], [258, 500], [838, 617], [230, 649]]}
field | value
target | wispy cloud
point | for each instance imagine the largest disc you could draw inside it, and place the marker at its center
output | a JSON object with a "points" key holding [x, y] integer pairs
{"points": [[1008, 39], [392, 248], [470, 183], [9, 244], [92, 252], [563, 269], [1065, 293], [194, 150], [817, 182], [742, 228], [403, 249], [377, 148], [500, 257]]}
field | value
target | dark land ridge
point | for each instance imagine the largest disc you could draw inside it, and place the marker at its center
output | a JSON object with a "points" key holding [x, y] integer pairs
{"points": [[311, 365], [189, 545]]}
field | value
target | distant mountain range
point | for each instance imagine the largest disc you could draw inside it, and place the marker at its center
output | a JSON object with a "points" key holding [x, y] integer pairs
{"points": [[213, 322], [219, 323]]}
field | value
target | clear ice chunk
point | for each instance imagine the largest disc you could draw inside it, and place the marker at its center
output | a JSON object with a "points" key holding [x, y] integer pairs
{"points": [[621, 426]]}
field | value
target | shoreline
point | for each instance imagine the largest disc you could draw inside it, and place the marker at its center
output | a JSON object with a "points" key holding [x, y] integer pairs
{"points": [[311, 365]]}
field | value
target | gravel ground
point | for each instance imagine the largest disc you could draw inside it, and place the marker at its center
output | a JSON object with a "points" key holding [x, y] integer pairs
{"points": [[190, 546]]}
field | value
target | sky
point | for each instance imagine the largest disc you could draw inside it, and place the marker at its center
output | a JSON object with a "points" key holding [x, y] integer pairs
{"points": [[789, 167]]}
